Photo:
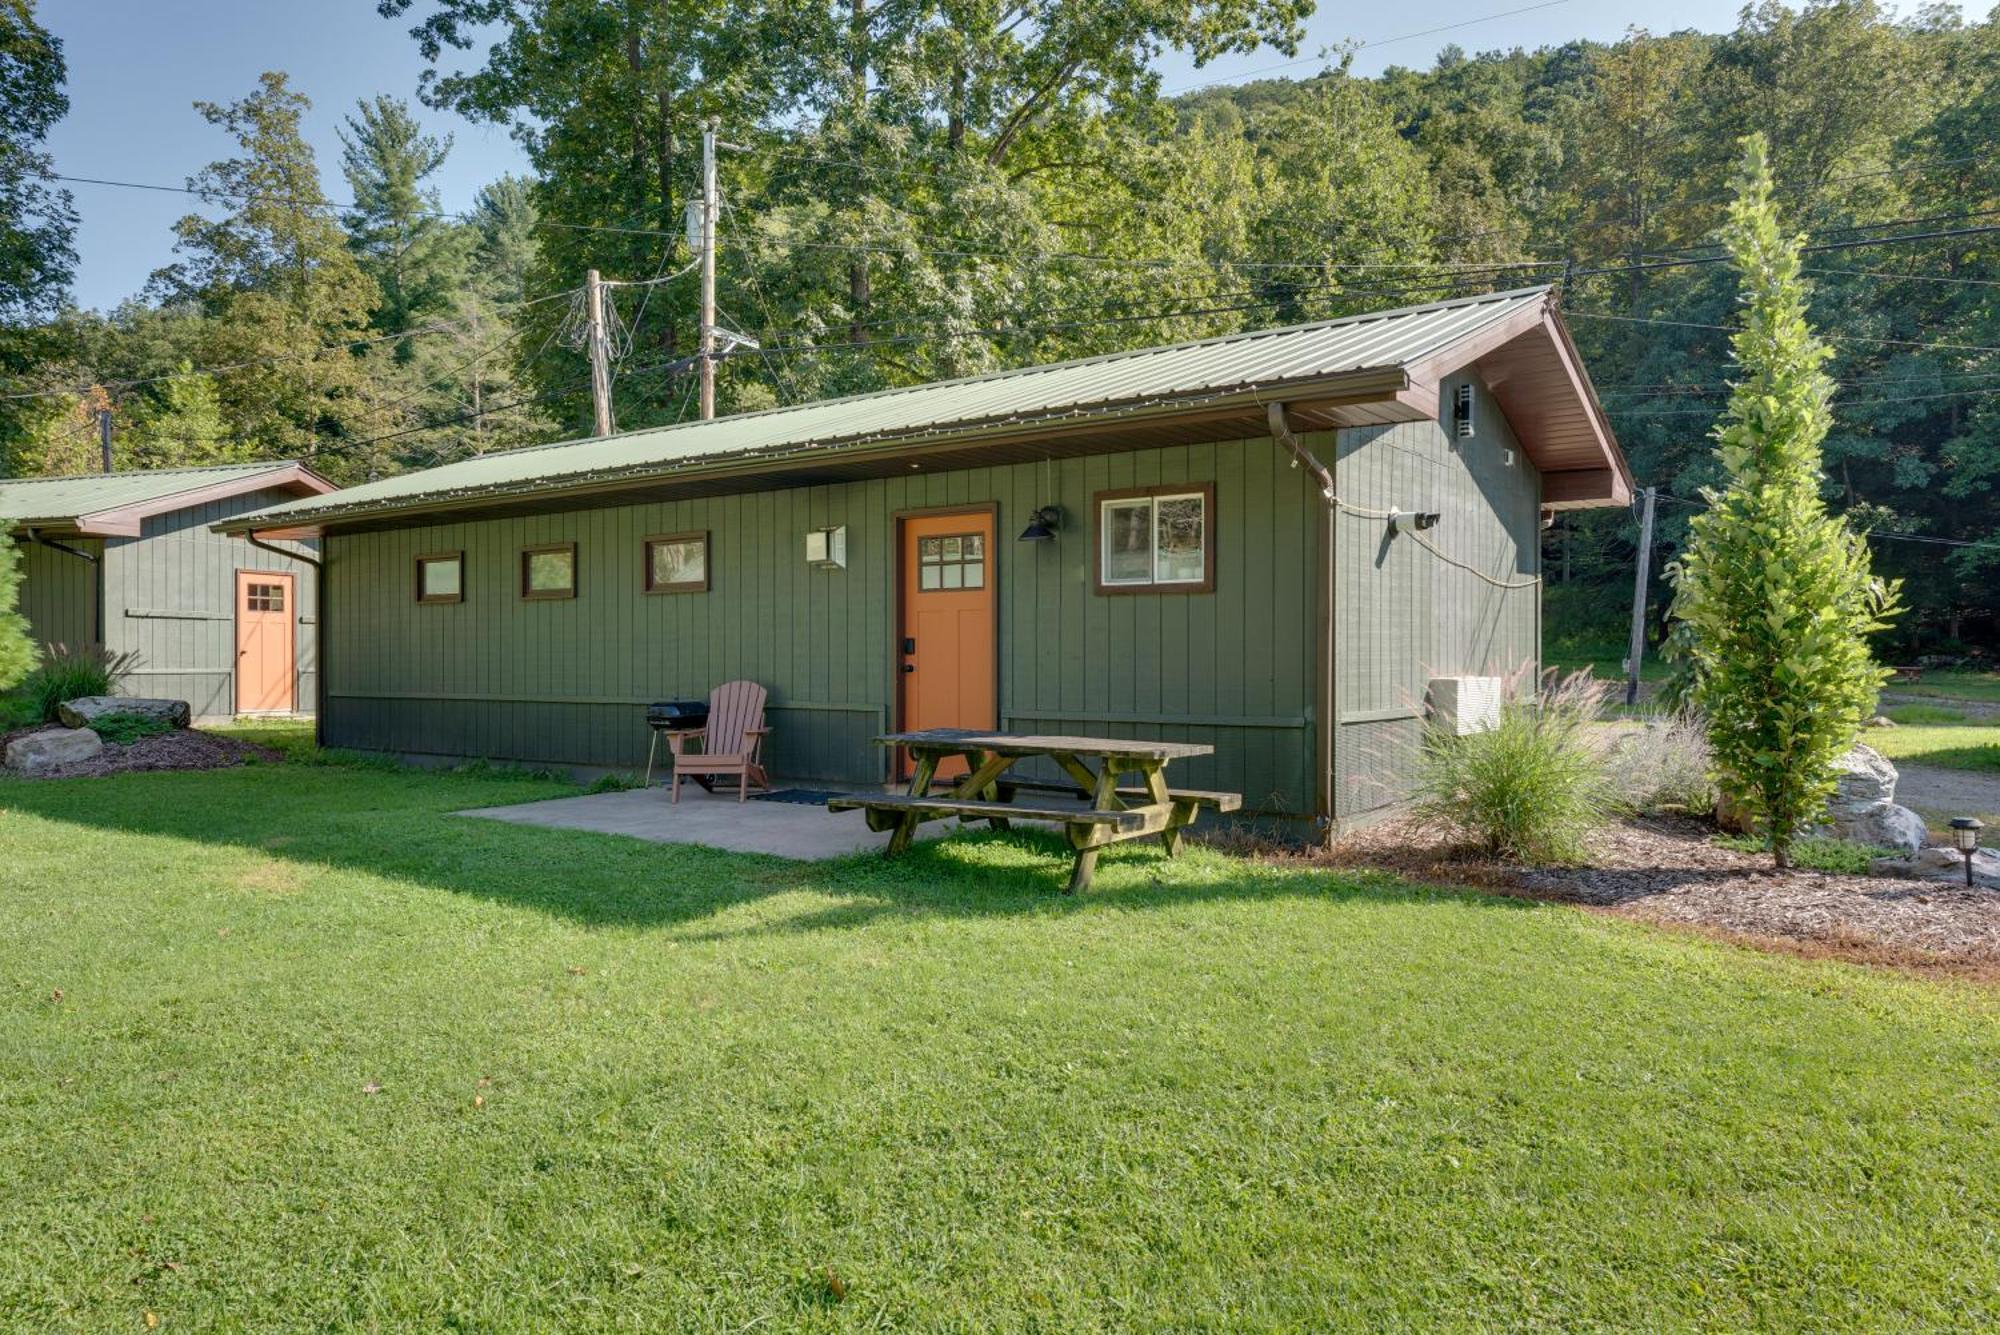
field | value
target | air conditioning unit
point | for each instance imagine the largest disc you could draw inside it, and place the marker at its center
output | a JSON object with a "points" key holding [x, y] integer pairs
{"points": [[1463, 705]]}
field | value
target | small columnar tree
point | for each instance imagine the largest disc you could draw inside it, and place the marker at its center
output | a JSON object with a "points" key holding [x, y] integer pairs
{"points": [[17, 648], [1776, 595]]}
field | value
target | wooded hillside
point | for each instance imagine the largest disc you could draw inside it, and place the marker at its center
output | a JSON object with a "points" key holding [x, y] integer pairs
{"points": [[914, 191]]}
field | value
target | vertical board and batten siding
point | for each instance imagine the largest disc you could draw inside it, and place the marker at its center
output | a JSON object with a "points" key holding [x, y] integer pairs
{"points": [[170, 596], [1401, 615], [59, 590], [566, 681]]}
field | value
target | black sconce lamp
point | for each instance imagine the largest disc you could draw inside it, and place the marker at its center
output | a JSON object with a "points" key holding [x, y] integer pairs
{"points": [[1042, 528]]}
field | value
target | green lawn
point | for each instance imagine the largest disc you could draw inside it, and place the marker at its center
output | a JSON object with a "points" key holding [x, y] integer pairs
{"points": [[1955, 685], [1952, 746], [618, 1085]]}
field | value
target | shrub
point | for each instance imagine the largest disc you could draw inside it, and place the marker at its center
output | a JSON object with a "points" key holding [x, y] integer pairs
{"points": [[125, 729], [1818, 854], [1664, 765], [1531, 788], [17, 646], [71, 673]]}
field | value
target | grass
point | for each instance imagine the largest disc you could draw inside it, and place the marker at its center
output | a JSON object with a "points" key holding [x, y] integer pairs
{"points": [[1954, 685], [1815, 854], [1924, 714], [292, 1046], [1967, 747]]}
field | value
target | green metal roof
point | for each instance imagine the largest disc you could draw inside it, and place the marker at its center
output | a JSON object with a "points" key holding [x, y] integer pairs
{"points": [[1103, 386], [66, 499], [114, 504]]}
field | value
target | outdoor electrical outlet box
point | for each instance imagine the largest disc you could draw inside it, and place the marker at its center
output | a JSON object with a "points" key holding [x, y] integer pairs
{"points": [[826, 548], [1463, 705]]}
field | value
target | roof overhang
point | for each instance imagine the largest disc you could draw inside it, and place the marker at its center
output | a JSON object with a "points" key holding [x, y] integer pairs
{"points": [[1532, 369], [128, 521]]}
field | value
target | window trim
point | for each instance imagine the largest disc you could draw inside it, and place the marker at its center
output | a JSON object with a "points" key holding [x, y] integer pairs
{"points": [[1206, 584], [548, 595], [417, 568], [702, 585]]}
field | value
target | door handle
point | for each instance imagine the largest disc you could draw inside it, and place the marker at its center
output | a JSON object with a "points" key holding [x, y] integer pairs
{"points": [[909, 667]]}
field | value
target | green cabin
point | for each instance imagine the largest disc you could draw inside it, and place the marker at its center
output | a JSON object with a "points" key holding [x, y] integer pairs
{"points": [[131, 561], [1274, 542]]}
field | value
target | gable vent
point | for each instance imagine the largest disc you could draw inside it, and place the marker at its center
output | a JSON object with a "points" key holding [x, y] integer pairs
{"points": [[1461, 410]]}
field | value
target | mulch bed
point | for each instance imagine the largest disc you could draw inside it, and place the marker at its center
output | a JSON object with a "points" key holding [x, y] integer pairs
{"points": [[1665, 870], [182, 749]]}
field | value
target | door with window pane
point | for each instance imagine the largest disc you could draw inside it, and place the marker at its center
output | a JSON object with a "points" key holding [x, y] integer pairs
{"points": [[265, 668], [946, 660]]}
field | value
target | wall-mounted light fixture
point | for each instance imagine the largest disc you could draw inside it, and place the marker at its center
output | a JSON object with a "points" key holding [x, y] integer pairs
{"points": [[1042, 527], [826, 548]]}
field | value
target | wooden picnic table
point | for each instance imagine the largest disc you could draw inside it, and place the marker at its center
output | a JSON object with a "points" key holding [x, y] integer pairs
{"points": [[988, 792]]}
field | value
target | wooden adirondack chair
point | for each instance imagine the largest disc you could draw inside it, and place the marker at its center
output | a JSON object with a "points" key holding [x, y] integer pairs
{"points": [[731, 742]]}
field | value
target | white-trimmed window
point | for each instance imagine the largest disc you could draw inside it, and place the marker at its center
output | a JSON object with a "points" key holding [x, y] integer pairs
{"points": [[1156, 539]]}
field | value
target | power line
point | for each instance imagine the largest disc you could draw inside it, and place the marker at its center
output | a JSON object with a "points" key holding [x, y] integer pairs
{"points": [[1866, 533], [1833, 338]]}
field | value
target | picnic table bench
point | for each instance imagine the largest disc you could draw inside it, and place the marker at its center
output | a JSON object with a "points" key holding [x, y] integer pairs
{"points": [[987, 792], [1907, 676]]}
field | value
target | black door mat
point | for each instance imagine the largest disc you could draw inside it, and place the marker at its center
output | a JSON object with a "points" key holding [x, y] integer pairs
{"points": [[804, 797]]}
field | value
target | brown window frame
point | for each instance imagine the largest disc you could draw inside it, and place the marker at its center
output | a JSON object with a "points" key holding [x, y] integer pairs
{"points": [[1206, 490], [418, 570], [548, 595], [702, 585]]}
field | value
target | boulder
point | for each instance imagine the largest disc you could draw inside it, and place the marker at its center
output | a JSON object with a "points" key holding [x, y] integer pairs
{"points": [[1885, 825], [40, 751], [1863, 777], [79, 713], [1880, 721], [1943, 864]]}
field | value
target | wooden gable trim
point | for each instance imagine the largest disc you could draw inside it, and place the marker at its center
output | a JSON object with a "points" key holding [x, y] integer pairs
{"points": [[127, 521]]}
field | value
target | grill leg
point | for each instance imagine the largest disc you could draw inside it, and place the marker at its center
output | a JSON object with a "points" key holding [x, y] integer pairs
{"points": [[652, 749]]}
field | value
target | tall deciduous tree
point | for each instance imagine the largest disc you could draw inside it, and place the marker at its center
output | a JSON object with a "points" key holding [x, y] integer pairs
{"points": [[1776, 593], [281, 289], [37, 220]]}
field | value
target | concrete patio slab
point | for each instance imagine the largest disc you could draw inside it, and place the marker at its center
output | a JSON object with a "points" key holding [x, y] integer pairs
{"points": [[783, 829]]}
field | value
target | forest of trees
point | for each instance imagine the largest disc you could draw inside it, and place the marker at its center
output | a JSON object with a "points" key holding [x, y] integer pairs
{"points": [[920, 190]]}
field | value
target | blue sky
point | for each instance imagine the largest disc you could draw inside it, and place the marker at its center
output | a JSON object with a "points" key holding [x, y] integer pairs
{"points": [[135, 66]]}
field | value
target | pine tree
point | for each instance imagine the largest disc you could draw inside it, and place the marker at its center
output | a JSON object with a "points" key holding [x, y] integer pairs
{"points": [[416, 257], [1776, 594], [18, 654]]}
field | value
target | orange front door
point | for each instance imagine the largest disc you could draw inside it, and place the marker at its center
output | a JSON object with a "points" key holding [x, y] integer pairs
{"points": [[265, 615], [946, 652]]}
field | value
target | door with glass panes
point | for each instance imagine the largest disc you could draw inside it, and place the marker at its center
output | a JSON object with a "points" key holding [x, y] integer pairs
{"points": [[947, 669]]}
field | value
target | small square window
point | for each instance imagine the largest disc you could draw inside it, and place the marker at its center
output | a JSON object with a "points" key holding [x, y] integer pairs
{"points": [[956, 561], [1156, 539], [441, 577], [264, 598], [549, 572], [677, 563]]}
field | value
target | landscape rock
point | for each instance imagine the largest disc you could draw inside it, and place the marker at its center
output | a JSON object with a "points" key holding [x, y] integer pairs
{"points": [[1943, 864], [45, 750], [79, 713], [1881, 721], [1863, 778], [1886, 825]]}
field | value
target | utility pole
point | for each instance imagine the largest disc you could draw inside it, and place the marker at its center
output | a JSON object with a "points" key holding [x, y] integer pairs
{"points": [[708, 220], [600, 351], [1638, 647], [104, 436]]}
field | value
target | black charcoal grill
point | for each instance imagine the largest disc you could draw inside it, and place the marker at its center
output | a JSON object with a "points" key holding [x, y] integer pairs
{"points": [[675, 715]]}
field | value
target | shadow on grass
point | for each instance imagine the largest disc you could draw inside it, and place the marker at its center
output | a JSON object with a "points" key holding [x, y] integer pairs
{"points": [[397, 825]]}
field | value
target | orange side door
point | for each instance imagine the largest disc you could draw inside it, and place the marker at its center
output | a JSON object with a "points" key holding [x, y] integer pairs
{"points": [[265, 616], [946, 652]]}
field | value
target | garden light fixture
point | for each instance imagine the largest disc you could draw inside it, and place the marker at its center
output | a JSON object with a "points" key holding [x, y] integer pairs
{"points": [[1965, 838]]}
